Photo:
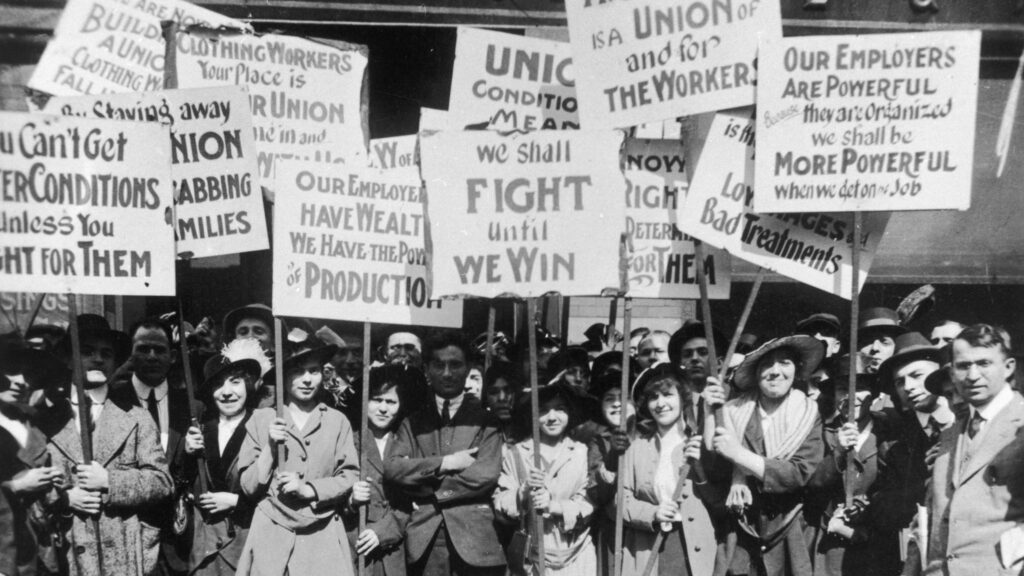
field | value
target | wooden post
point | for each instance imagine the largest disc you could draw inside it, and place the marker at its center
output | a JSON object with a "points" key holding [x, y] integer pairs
{"points": [[84, 413], [620, 488], [190, 390], [564, 324], [364, 430], [538, 520], [492, 313], [858, 224], [609, 332], [279, 379]]}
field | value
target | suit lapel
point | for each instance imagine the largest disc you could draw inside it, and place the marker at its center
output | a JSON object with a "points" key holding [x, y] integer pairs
{"points": [[996, 435], [112, 430]]}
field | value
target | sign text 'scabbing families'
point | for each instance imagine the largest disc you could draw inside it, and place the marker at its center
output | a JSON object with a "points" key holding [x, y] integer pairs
{"points": [[525, 214], [662, 263], [306, 96], [648, 60], [349, 245], [812, 247], [217, 199], [85, 206], [512, 82], [875, 122]]}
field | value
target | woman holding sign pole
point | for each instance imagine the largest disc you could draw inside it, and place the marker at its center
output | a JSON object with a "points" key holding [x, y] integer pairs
{"points": [[771, 435]]}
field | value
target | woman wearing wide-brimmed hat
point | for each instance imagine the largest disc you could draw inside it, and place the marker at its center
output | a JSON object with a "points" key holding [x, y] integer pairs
{"points": [[296, 528], [223, 512], [651, 473], [771, 434]]}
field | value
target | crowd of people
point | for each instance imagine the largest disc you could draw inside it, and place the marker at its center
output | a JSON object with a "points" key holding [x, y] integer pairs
{"points": [[772, 469]]}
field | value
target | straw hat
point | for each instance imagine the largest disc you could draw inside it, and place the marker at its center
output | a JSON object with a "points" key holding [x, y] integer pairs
{"points": [[809, 350]]}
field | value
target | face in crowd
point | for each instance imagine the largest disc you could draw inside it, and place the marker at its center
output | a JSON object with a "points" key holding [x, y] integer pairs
{"points": [[861, 402], [13, 388], [304, 382], [554, 418], [634, 344], [908, 383], [945, 333], [383, 408], [151, 355], [348, 364], [981, 372], [405, 348], [694, 358], [652, 349], [664, 403], [776, 372], [256, 329], [577, 376], [98, 360], [474, 381], [499, 399], [876, 347], [447, 371], [232, 393], [612, 408]]}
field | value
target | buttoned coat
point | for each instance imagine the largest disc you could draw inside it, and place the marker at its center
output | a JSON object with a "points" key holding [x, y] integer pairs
{"points": [[462, 500], [323, 454], [977, 493], [641, 504], [126, 443], [387, 513]]}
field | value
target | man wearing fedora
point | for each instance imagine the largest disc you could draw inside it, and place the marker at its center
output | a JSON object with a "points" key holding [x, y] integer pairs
{"points": [[824, 327], [127, 476], [976, 498], [876, 331]]}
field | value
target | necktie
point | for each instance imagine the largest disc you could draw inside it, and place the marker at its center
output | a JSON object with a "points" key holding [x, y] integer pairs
{"points": [[446, 416], [974, 426], [934, 429], [151, 405]]}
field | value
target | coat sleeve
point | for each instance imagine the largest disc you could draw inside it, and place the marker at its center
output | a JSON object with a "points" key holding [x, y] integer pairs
{"points": [[636, 513], [600, 480], [255, 462], [782, 476], [333, 489], [403, 467], [479, 479], [149, 481], [506, 495]]}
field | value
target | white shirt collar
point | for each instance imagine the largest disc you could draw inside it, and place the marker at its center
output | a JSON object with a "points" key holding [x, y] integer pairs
{"points": [[996, 404], [98, 395], [453, 404], [142, 389]]}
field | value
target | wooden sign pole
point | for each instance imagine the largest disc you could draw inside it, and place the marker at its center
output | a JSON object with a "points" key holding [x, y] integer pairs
{"points": [[538, 519]]}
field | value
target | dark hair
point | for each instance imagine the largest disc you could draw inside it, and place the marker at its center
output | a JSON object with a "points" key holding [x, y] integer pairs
{"points": [[252, 392], [502, 369], [408, 382], [987, 336], [445, 338], [944, 321], [153, 323]]}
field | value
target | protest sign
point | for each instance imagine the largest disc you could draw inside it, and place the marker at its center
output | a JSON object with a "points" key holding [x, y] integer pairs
{"points": [[398, 153], [105, 46], [662, 263], [218, 207], [17, 308], [873, 122], [814, 248], [512, 82], [524, 214], [349, 245], [650, 60], [306, 96], [433, 119], [85, 206]]}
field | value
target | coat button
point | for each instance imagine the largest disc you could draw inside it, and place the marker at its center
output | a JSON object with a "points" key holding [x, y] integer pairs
{"points": [[302, 475], [689, 519], [302, 457], [307, 441], [79, 549], [696, 548]]}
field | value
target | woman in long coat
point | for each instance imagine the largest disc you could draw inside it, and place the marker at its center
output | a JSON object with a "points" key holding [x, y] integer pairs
{"points": [[651, 474], [771, 435], [296, 528], [223, 512]]}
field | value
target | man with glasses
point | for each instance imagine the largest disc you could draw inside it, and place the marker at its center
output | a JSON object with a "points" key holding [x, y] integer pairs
{"points": [[447, 458]]}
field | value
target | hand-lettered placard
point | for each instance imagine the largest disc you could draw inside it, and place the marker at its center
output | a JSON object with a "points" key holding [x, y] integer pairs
{"points": [[662, 263], [812, 247], [349, 245], [512, 82], [217, 198], [874, 122], [105, 46], [650, 60], [85, 206], [307, 97], [524, 214]]}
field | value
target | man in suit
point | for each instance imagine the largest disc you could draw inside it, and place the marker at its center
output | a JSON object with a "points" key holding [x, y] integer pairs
{"points": [[170, 408], [977, 492], [447, 458]]}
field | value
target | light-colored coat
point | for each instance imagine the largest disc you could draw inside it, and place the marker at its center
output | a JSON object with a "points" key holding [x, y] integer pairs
{"points": [[127, 444], [323, 453], [641, 503], [977, 493], [568, 548]]}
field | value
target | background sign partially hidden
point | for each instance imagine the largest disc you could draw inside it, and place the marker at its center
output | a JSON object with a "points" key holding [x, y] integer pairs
{"points": [[873, 122], [306, 96], [396, 154], [648, 60], [524, 214], [813, 248], [85, 206], [512, 82], [218, 203], [349, 245], [662, 263], [103, 46]]}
